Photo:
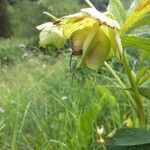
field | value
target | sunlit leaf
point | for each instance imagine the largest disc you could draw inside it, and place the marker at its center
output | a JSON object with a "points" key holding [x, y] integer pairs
{"points": [[133, 41], [52, 36], [142, 9], [102, 18], [128, 122], [145, 20], [133, 6], [145, 55], [118, 11]]}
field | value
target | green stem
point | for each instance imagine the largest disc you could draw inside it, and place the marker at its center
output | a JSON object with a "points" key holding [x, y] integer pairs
{"points": [[120, 83], [136, 96], [115, 75], [104, 147], [90, 4], [50, 15]]}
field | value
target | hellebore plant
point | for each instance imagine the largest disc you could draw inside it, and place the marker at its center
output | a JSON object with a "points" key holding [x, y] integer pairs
{"points": [[97, 36]]}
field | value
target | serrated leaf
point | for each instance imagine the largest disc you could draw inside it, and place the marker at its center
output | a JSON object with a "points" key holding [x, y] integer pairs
{"points": [[101, 17], [129, 139], [118, 11], [52, 36], [95, 49], [133, 41], [142, 9]]}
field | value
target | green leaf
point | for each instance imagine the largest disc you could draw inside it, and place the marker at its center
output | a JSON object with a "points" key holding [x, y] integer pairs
{"points": [[145, 55], [52, 36], [142, 9], [109, 98], [117, 9], [145, 20], [143, 75], [129, 139], [119, 49], [145, 91], [110, 103], [133, 6], [133, 41], [89, 116], [95, 49]]}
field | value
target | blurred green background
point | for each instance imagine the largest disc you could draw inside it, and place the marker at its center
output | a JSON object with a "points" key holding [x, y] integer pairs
{"points": [[42, 105]]}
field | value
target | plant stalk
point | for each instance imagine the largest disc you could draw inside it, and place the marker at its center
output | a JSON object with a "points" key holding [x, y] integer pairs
{"points": [[138, 108], [120, 82], [136, 96], [50, 15], [90, 4], [132, 78]]}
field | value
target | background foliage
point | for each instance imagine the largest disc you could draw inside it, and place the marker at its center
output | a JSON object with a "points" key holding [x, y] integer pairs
{"points": [[42, 106]]}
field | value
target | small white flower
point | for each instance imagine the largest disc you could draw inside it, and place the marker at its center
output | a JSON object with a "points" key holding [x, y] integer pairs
{"points": [[101, 141], [44, 66], [25, 55], [100, 131], [1, 110], [24, 46], [64, 98]]}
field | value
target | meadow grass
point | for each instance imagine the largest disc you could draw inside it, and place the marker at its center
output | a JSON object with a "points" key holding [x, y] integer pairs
{"points": [[44, 109]]}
